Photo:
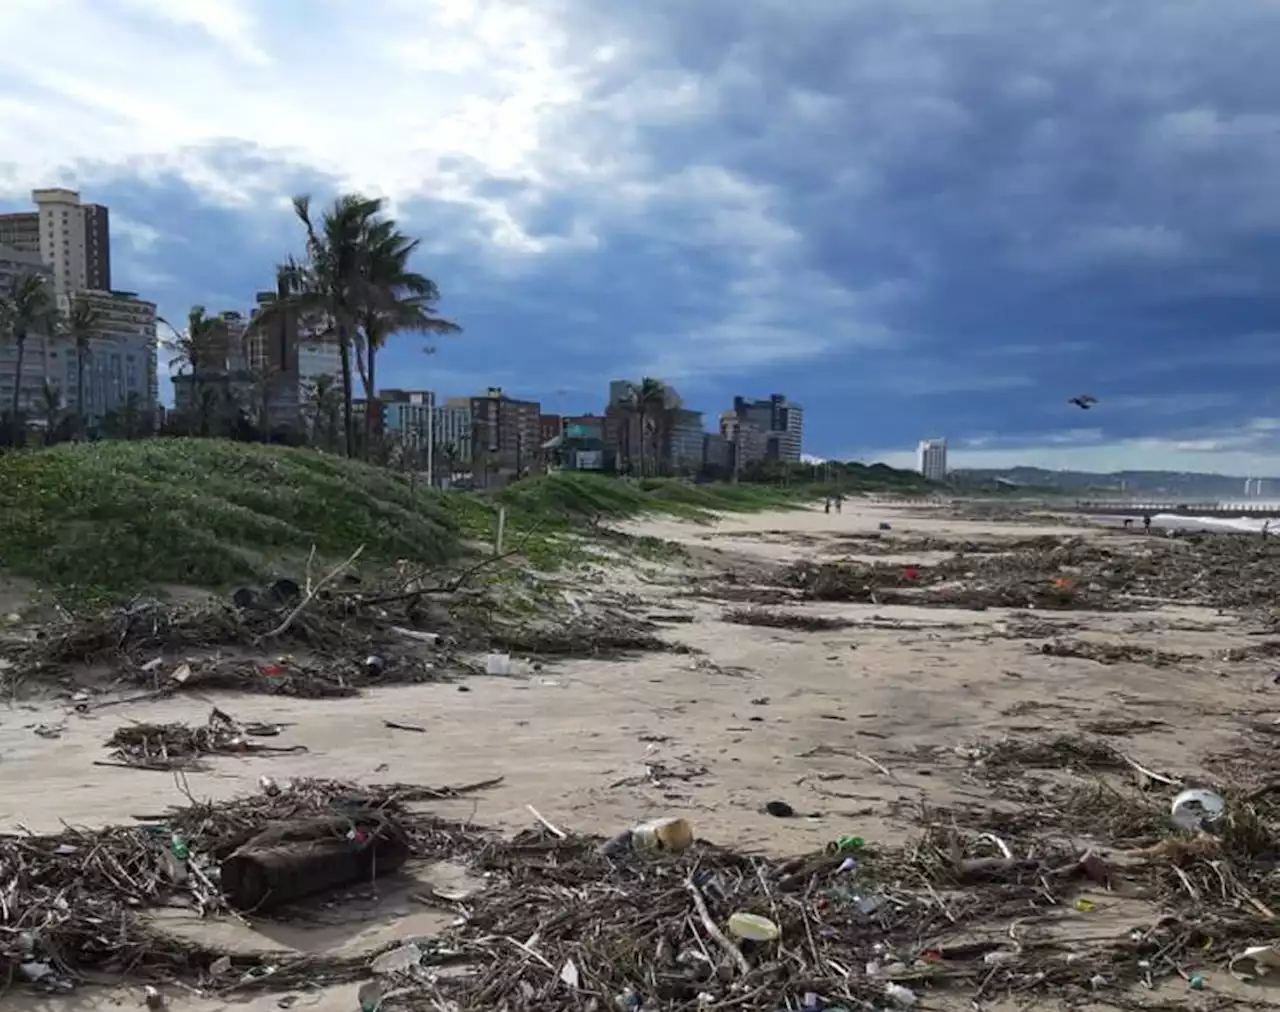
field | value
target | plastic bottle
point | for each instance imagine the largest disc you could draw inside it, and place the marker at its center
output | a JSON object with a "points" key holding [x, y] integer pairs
{"points": [[673, 835], [180, 849]]}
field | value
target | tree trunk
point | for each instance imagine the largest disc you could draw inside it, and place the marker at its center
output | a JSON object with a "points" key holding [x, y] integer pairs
{"points": [[20, 342], [348, 422], [370, 397], [80, 359]]}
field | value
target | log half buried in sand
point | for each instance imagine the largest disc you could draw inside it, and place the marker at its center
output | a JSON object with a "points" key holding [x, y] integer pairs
{"points": [[278, 867]]}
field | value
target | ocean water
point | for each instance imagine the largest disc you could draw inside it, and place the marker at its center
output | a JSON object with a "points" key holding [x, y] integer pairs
{"points": [[1243, 524]]}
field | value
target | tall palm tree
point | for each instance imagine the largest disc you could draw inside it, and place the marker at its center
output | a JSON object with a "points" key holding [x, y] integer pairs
{"points": [[329, 282], [82, 323], [203, 347], [354, 284], [649, 401], [323, 403], [28, 308], [394, 299], [50, 408]]}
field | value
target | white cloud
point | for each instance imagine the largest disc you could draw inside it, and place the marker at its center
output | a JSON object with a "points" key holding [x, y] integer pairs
{"points": [[403, 99], [1251, 449]]}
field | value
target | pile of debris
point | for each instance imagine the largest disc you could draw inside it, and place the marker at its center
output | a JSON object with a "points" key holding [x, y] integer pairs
{"points": [[330, 642], [73, 902], [784, 620], [566, 921], [1115, 653], [179, 746], [1054, 573]]}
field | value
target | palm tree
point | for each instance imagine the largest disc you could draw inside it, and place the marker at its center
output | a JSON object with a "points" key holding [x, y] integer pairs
{"points": [[354, 284], [394, 299], [203, 347], [82, 323], [323, 403], [50, 408], [648, 402], [28, 307], [327, 286]]}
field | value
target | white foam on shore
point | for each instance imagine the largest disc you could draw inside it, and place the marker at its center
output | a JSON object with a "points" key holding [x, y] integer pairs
{"points": [[1237, 525]]}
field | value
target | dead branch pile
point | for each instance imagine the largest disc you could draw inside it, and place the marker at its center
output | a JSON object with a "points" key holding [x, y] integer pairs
{"points": [[72, 902], [1219, 571], [180, 746], [338, 641], [564, 923], [784, 620]]}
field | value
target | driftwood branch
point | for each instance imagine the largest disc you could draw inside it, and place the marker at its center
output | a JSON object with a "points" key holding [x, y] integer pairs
{"points": [[324, 581]]}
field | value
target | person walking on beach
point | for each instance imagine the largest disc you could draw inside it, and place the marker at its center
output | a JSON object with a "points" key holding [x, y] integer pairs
{"points": [[1266, 528], [1146, 523], [839, 501], [826, 505]]}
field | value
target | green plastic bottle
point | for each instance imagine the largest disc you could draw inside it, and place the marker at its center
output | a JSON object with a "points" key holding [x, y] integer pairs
{"points": [[180, 849]]}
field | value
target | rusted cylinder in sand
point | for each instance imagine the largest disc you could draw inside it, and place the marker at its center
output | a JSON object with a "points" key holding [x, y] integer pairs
{"points": [[261, 878]]}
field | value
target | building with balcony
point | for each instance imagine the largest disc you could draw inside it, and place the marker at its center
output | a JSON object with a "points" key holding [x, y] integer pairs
{"points": [[504, 434], [407, 417]]}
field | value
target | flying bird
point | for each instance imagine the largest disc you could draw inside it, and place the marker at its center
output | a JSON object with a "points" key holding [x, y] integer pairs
{"points": [[1084, 401]]}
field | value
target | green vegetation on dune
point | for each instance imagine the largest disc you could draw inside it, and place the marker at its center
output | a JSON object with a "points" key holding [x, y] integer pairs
{"points": [[112, 518], [120, 516]]}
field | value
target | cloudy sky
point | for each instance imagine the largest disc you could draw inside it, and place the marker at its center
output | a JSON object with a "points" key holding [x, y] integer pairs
{"points": [[915, 217]]}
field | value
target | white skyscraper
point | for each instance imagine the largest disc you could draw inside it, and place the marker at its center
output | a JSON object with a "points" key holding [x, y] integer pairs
{"points": [[931, 456]]}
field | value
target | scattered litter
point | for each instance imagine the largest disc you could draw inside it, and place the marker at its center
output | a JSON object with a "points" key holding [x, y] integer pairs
{"points": [[672, 835], [753, 928], [1255, 961], [396, 726], [398, 960], [1197, 809]]}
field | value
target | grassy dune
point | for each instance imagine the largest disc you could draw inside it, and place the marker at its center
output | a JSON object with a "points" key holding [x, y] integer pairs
{"points": [[118, 517]]}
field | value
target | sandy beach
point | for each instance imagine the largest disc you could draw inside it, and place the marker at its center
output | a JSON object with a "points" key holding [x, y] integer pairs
{"points": [[858, 726]]}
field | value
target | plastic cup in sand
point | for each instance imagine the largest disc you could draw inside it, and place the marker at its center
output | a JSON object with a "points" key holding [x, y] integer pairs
{"points": [[671, 835], [1197, 809]]}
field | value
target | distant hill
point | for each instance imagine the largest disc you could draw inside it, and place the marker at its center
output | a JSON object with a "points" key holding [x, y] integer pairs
{"points": [[1172, 483]]}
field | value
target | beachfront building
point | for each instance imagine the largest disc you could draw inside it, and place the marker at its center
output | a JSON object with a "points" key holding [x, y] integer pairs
{"points": [[781, 421], [931, 459]]}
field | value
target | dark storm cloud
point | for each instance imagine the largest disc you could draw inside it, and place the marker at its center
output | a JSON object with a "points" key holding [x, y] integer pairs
{"points": [[1091, 172], [917, 217]]}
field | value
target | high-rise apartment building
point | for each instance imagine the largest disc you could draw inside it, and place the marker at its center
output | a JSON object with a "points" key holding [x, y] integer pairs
{"points": [[452, 430], [504, 432], [74, 239], [407, 416], [931, 459], [781, 421], [35, 364], [121, 364], [289, 359]]}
